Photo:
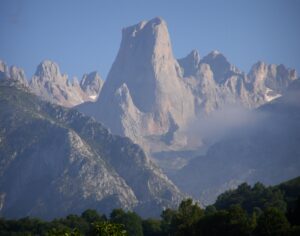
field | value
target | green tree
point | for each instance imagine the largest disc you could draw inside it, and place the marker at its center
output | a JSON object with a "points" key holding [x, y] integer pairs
{"points": [[152, 227], [91, 216], [106, 228], [75, 221], [213, 224], [131, 221], [166, 224], [272, 223], [209, 210], [238, 222], [249, 198], [187, 216], [233, 222]]}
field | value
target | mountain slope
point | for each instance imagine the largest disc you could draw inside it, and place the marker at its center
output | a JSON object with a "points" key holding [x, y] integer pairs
{"points": [[266, 151], [56, 161]]}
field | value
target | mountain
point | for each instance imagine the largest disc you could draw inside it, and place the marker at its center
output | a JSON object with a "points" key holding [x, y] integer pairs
{"points": [[49, 84], [144, 96], [216, 83], [153, 98], [56, 161], [265, 150]]}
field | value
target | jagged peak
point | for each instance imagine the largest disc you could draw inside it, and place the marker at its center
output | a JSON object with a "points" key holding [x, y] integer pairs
{"points": [[91, 81], [157, 21], [48, 68], [216, 57], [4, 73], [259, 65], [3, 66], [141, 25], [215, 54], [88, 77], [272, 68], [194, 56], [18, 73], [156, 27], [190, 63]]}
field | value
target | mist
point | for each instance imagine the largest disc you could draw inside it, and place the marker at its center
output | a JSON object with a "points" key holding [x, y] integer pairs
{"points": [[207, 129]]}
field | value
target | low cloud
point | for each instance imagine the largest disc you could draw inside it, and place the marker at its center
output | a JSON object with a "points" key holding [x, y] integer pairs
{"points": [[231, 119]]}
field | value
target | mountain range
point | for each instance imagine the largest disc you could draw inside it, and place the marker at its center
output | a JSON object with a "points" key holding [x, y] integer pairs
{"points": [[152, 98], [206, 123], [50, 85]]}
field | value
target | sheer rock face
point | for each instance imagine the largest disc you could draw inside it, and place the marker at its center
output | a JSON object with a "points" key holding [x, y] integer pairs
{"points": [[55, 161], [144, 90], [52, 86], [151, 97]]}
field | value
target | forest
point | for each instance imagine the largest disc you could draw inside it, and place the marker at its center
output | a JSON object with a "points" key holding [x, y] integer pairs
{"points": [[247, 210]]}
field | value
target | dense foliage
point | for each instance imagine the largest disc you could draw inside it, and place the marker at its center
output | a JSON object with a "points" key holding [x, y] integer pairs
{"points": [[257, 210]]}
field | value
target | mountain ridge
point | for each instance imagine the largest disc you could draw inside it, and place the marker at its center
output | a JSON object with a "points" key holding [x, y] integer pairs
{"points": [[49, 84], [50, 153]]}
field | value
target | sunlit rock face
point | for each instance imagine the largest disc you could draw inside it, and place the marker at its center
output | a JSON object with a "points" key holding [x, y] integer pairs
{"points": [[51, 85], [144, 91], [153, 98]]}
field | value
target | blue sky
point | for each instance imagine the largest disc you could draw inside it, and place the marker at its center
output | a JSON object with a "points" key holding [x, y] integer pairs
{"points": [[83, 36]]}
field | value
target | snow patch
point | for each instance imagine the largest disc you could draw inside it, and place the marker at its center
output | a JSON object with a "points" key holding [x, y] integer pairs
{"points": [[271, 95], [93, 97]]}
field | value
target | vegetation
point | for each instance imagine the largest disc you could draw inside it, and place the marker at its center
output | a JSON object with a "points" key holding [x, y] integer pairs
{"points": [[257, 210]]}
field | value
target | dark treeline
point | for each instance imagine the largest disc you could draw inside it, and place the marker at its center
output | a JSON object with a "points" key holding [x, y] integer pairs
{"points": [[248, 210]]}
